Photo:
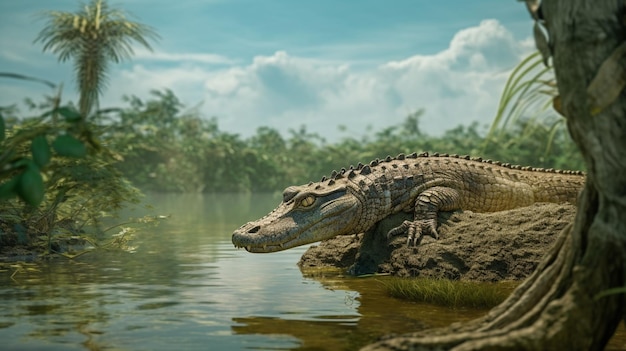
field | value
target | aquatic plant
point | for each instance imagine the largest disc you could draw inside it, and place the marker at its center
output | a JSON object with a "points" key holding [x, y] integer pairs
{"points": [[450, 293]]}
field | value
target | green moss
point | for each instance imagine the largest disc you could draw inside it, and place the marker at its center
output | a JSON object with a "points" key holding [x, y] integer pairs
{"points": [[449, 293]]}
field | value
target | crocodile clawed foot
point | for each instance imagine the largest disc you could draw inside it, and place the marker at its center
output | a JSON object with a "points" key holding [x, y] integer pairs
{"points": [[415, 231]]}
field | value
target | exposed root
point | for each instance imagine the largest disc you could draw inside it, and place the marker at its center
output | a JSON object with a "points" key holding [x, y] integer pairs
{"points": [[550, 310]]}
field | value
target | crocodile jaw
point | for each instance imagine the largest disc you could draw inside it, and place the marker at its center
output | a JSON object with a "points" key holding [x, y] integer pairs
{"points": [[286, 228]]}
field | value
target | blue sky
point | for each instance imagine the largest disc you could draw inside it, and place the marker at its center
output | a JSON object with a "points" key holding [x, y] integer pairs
{"points": [[287, 63]]}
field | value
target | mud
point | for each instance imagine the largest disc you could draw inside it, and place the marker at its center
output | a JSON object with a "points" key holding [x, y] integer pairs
{"points": [[505, 245]]}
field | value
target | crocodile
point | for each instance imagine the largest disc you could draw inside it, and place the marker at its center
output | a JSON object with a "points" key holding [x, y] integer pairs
{"points": [[351, 201]]}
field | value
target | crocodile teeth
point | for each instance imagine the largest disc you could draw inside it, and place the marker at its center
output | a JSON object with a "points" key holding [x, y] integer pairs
{"points": [[264, 247], [281, 245], [248, 248]]}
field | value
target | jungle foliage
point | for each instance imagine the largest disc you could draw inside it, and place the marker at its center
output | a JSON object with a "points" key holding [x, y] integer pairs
{"points": [[164, 147], [159, 145], [77, 185], [55, 178]]}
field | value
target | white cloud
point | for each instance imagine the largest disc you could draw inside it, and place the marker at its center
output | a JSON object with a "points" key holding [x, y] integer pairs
{"points": [[462, 83], [457, 85]]}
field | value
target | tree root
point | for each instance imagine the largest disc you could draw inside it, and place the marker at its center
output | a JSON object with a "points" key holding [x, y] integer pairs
{"points": [[554, 308], [532, 296]]}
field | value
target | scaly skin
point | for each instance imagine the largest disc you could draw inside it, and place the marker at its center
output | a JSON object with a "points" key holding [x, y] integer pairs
{"points": [[354, 200]]}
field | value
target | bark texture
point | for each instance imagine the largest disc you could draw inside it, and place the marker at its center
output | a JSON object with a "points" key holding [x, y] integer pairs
{"points": [[557, 306]]}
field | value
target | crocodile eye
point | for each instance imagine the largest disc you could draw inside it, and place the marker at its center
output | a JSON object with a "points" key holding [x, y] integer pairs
{"points": [[307, 201]]}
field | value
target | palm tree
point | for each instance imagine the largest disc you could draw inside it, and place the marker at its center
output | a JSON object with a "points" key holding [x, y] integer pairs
{"points": [[92, 37]]}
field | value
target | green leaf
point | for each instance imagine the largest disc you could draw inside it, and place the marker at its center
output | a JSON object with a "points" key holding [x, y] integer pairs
{"points": [[2, 128], [67, 145], [23, 77], [47, 113], [41, 151], [70, 114], [8, 188], [30, 186]]}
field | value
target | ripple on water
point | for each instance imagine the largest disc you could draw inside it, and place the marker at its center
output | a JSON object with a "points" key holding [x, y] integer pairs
{"points": [[186, 287]]}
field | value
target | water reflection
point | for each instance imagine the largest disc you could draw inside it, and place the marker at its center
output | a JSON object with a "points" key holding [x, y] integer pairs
{"points": [[376, 315], [187, 288], [180, 289]]}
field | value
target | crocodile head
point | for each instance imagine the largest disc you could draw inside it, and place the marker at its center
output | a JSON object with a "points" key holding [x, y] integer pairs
{"points": [[307, 214]]}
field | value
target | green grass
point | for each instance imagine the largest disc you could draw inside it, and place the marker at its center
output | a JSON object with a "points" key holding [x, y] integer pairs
{"points": [[455, 294]]}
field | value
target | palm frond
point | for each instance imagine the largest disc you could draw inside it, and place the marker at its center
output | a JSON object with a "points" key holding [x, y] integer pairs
{"points": [[520, 90], [91, 37], [23, 77], [528, 96]]}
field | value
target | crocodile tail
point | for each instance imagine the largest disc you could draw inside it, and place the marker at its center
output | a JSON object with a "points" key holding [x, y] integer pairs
{"points": [[559, 189]]}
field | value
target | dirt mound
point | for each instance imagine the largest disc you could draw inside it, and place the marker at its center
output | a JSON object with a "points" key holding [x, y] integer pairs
{"points": [[505, 245]]}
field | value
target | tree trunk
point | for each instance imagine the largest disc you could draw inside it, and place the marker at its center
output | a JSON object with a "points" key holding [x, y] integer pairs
{"points": [[557, 307]]}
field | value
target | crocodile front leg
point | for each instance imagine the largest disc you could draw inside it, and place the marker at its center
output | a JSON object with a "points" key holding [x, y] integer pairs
{"points": [[427, 205]]}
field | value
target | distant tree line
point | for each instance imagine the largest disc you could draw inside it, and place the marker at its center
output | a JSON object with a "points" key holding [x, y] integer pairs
{"points": [[163, 147]]}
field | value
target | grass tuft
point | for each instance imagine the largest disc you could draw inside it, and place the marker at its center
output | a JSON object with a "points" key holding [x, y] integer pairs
{"points": [[450, 293]]}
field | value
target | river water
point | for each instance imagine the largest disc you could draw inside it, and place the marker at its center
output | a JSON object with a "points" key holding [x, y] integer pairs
{"points": [[185, 287]]}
